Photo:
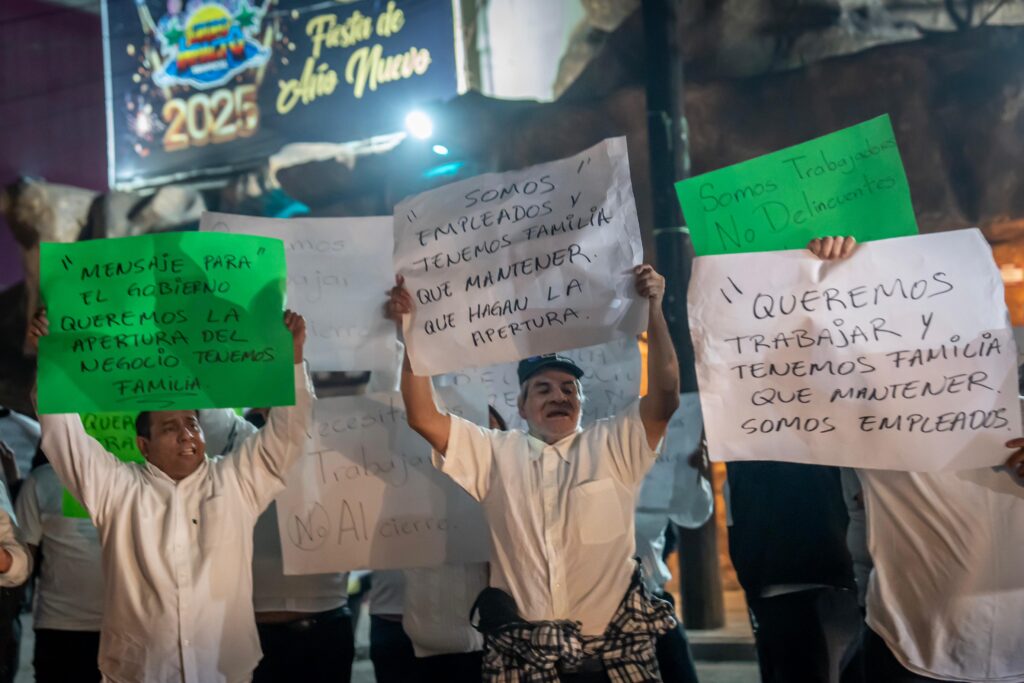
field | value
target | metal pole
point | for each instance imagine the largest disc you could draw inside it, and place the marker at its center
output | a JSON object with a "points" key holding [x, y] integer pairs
{"points": [[703, 605]]}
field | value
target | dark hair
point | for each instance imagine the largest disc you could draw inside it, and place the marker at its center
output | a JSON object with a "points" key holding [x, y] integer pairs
{"points": [[498, 419], [142, 424]]}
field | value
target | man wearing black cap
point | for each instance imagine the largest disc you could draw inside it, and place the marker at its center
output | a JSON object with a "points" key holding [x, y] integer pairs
{"points": [[565, 602]]}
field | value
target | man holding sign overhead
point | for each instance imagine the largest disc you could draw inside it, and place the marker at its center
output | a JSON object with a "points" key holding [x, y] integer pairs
{"points": [[565, 602], [177, 533]]}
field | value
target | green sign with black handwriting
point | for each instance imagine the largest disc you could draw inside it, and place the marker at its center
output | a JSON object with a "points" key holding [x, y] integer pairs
{"points": [[162, 322], [850, 182]]}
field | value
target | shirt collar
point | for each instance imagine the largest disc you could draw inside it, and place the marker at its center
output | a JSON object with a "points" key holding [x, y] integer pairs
{"points": [[160, 474], [561, 447]]}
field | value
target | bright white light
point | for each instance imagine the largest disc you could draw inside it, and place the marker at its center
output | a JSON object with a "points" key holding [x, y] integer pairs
{"points": [[419, 125], [143, 125], [440, 150]]}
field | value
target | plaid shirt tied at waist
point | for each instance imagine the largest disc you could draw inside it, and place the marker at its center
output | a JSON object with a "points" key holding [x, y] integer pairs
{"points": [[533, 652]]}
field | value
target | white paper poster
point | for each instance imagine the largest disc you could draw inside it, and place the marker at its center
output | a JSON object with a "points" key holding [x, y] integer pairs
{"points": [[509, 265], [366, 496], [899, 357], [611, 381], [339, 272]]}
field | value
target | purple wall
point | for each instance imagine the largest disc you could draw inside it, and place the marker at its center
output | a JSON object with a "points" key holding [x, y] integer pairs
{"points": [[52, 118]]}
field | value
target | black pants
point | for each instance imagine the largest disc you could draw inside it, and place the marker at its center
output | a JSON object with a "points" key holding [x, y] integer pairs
{"points": [[596, 677], [673, 651], [806, 637], [394, 660], [62, 656], [880, 666], [317, 649], [454, 668]]}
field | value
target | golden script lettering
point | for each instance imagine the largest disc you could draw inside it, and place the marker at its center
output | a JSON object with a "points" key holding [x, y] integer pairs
{"points": [[366, 67]]}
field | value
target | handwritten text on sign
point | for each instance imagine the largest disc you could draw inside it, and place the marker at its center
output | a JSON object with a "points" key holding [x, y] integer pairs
{"points": [[899, 357], [850, 181], [509, 265], [611, 381], [366, 495], [178, 320], [337, 269]]}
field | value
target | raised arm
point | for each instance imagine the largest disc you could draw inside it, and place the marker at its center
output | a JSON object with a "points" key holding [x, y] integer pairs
{"points": [[417, 394], [662, 399], [263, 459], [85, 468]]}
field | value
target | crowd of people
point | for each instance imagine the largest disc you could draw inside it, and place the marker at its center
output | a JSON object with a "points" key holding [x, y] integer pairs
{"points": [[177, 576]]}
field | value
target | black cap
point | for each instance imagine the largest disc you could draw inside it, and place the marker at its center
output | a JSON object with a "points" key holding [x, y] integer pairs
{"points": [[528, 367]]}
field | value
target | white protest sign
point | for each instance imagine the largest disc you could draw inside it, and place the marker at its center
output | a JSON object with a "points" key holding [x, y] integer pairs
{"points": [[339, 271], [509, 265], [899, 357], [672, 485], [366, 496], [611, 381]]}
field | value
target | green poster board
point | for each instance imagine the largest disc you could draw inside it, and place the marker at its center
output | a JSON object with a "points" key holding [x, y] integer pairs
{"points": [[116, 433], [850, 182], [164, 322]]}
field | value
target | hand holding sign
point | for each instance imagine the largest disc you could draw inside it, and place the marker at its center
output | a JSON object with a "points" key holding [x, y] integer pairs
{"points": [[296, 324]]}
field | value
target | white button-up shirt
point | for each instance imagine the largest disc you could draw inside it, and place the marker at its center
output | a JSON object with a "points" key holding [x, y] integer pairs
{"points": [[561, 515], [947, 590], [69, 595], [177, 556]]}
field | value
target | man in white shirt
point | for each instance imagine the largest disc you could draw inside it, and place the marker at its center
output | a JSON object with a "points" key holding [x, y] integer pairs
{"points": [[560, 502], [176, 534], [69, 593], [945, 598], [303, 621]]}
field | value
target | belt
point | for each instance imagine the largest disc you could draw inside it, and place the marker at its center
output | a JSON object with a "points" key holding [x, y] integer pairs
{"points": [[315, 619], [590, 665]]}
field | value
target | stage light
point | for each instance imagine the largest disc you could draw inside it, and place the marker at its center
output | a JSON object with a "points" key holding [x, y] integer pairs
{"points": [[419, 124]]}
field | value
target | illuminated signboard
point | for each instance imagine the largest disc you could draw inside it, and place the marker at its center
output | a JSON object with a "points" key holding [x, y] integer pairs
{"points": [[204, 87]]}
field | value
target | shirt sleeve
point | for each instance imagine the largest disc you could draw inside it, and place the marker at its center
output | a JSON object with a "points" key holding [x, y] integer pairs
{"points": [[223, 428], [468, 458], [85, 468], [693, 500], [21, 561], [27, 511], [627, 443], [261, 462]]}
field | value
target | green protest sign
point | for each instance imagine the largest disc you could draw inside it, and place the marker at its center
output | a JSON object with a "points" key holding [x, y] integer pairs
{"points": [[116, 433], [850, 182], [159, 322]]}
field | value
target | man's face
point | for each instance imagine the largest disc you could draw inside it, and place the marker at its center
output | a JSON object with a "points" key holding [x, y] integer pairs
{"points": [[175, 443], [552, 405]]}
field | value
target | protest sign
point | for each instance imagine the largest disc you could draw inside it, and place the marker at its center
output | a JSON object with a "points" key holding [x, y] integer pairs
{"points": [[611, 381], [850, 182], [339, 270], [116, 433], [176, 320], [899, 357], [509, 265], [366, 496], [672, 485]]}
